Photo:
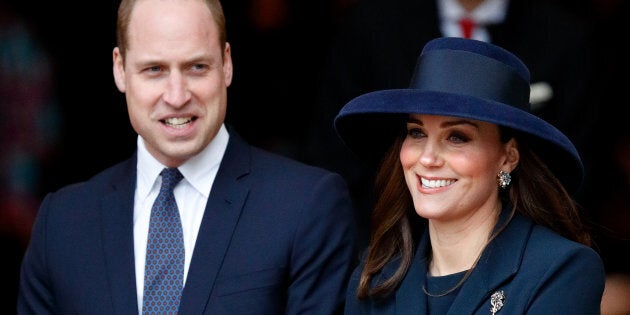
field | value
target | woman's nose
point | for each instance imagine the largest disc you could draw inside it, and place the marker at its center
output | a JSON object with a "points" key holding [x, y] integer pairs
{"points": [[430, 154]]}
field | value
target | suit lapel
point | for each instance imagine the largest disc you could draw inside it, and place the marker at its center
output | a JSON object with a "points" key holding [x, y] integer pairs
{"points": [[221, 215], [117, 235]]}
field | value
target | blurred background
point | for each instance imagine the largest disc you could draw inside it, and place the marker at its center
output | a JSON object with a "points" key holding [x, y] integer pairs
{"points": [[62, 119]]}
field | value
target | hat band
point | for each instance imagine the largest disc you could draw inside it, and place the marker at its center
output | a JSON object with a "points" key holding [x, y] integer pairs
{"points": [[462, 72]]}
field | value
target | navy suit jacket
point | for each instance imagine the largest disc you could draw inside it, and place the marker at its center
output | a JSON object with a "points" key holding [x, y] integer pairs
{"points": [[538, 271], [277, 237]]}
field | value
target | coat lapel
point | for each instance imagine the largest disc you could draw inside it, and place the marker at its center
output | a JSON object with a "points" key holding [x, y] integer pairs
{"points": [[499, 261], [409, 298], [221, 215], [117, 235]]}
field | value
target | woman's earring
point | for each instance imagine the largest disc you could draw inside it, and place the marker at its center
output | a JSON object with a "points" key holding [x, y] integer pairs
{"points": [[503, 179]]}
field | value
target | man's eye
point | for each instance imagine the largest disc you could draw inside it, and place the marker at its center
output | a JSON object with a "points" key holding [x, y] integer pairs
{"points": [[199, 67]]}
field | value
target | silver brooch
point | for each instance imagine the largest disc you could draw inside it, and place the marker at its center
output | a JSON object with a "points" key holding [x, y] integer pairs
{"points": [[496, 301]]}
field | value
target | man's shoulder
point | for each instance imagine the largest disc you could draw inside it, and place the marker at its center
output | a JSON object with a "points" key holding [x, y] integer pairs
{"points": [[276, 162], [264, 161], [117, 172]]}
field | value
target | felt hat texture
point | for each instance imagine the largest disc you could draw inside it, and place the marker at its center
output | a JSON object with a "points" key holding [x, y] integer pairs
{"points": [[460, 78]]}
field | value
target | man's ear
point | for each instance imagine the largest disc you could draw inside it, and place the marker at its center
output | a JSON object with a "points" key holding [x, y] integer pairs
{"points": [[227, 65], [119, 70]]}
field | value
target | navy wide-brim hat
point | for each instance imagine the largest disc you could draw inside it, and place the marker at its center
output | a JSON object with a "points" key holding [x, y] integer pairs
{"points": [[461, 78]]}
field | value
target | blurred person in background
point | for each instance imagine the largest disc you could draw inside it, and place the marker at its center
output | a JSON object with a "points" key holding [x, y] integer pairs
{"points": [[608, 201], [281, 43], [29, 135]]}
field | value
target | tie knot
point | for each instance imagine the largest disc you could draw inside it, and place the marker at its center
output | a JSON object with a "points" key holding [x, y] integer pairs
{"points": [[170, 178]]}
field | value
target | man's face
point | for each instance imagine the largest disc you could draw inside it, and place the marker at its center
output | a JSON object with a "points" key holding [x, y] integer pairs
{"points": [[175, 77]]}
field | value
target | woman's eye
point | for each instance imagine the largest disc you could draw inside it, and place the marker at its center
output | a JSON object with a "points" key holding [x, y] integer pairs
{"points": [[415, 133], [458, 138]]}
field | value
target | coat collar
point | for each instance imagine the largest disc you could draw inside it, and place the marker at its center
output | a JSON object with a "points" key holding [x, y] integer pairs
{"points": [[499, 261]]}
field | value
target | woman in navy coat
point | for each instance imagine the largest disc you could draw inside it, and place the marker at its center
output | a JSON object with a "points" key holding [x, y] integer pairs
{"points": [[474, 212]]}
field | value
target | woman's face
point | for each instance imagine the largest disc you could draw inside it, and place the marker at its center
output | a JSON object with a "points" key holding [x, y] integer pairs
{"points": [[450, 166]]}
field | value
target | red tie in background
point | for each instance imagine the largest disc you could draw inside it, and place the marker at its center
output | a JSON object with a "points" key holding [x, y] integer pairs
{"points": [[467, 26]]}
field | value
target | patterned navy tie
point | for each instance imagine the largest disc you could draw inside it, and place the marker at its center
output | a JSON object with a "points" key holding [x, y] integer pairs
{"points": [[164, 265]]}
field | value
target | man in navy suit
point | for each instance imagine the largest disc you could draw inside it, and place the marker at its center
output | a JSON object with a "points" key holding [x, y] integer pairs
{"points": [[262, 234]]}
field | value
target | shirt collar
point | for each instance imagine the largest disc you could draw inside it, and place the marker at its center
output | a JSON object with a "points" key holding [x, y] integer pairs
{"points": [[199, 170], [488, 12]]}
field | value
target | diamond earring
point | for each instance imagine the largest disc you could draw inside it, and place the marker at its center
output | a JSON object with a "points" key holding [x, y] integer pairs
{"points": [[503, 179]]}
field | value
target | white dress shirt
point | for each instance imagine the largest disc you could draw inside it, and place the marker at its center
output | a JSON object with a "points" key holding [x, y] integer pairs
{"points": [[191, 195]]}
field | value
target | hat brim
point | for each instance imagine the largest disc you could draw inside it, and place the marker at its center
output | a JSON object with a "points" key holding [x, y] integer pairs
{"points": [[369, 123]]}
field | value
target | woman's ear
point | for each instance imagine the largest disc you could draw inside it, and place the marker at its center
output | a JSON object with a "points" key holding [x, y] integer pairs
{"points": [[512, 156]]}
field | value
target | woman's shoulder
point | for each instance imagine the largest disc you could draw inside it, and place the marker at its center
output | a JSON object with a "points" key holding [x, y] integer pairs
{"points": [[548, 248], [540, 246]]}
